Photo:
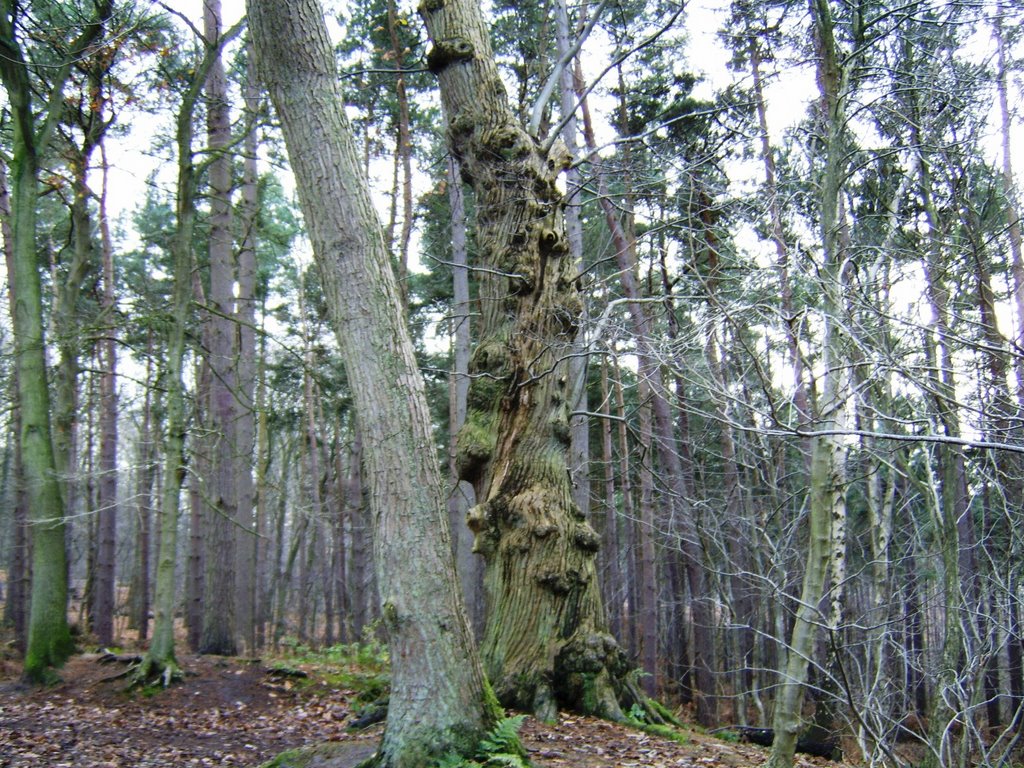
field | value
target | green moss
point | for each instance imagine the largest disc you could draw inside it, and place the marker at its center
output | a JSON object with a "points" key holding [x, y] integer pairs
{"points": [[476, 443], [492, 707], [447, 52], [662, 711], [329, 753], [43, 658], [664, 731]]}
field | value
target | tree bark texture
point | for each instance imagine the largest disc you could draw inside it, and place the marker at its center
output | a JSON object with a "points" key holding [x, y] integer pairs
{"points": [[545, 643], [439, 698], [219, 633]]}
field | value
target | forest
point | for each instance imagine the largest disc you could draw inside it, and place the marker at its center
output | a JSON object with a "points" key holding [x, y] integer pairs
{"points": [[653, 361]]}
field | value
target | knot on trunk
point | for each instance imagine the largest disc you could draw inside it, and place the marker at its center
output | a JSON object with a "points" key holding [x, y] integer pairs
{"points": [[444, 53], [588, 671], [506, 142], [552, 244], [556, 582], [590, 652], [479, 518], [586, 538]]}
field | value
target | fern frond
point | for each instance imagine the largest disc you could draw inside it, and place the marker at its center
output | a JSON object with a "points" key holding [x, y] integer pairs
{"points": [[505, 761], [504, 738]]}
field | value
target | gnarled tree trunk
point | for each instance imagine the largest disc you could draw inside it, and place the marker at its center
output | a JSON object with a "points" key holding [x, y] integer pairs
{"points": [[545, 644]]}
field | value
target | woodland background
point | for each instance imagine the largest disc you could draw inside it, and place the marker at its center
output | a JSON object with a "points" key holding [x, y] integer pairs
{"points": [[727, 332]]}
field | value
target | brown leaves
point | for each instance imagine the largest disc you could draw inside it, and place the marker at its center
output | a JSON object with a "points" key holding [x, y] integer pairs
{"points": [[229, 715], [221, 717]]}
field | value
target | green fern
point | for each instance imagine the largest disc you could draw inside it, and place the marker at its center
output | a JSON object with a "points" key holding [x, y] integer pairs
{"points": [[504, 739], [500, 748], [453, 760], [505, 761]]}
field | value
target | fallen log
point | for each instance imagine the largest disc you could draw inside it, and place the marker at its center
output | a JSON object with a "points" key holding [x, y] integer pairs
{"points": [[827, 748]]}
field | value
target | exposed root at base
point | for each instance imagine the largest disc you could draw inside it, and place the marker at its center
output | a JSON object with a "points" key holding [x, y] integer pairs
{"points": [[151, 672]]}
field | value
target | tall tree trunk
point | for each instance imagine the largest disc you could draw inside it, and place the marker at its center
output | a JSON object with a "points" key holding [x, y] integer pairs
{"points": [[545, 643], [16, 605], [827, 481], [628, 509], [678, 495], [160, 660], [144, 481], [404, 144], [579, 424], [646, 611], [107, 500], [219, 634], [49, 638], [463, 495], [439, 699], [265, 567], [611, 571], [360, 579], [249, 541], [195, 573]]}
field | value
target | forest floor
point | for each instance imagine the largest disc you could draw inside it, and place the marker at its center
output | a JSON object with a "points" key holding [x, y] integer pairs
{"points": [[237, 712]]}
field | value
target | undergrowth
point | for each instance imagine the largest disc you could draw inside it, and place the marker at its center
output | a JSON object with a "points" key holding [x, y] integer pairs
{"points": [[501, 748], [637, 718], [361, 667]]}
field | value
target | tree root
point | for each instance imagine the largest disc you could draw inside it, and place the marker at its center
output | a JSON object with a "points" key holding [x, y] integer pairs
{"points": [[639, 706], [152, 672], [595, 677]]}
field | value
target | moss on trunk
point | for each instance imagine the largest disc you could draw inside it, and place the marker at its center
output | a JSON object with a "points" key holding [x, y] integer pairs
{"points": [[545, 644]]}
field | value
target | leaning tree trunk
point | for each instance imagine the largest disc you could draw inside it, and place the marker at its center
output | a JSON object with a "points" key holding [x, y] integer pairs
{"points": [[439, 698], [545, 644]]}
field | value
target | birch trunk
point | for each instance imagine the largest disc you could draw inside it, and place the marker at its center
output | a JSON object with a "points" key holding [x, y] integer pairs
{"points": [[827, 481]]}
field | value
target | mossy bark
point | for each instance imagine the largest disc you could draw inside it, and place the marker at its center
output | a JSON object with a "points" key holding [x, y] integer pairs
{"points": [[545, 644], [49, 639]]}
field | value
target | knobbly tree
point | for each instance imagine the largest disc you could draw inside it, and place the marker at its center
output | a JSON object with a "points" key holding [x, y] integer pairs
{"points": [[439, 699], [545, 643]]}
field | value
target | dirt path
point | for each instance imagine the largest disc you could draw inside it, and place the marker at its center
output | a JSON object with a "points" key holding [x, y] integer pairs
{"points": [[225, 713], [229, 713]]}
